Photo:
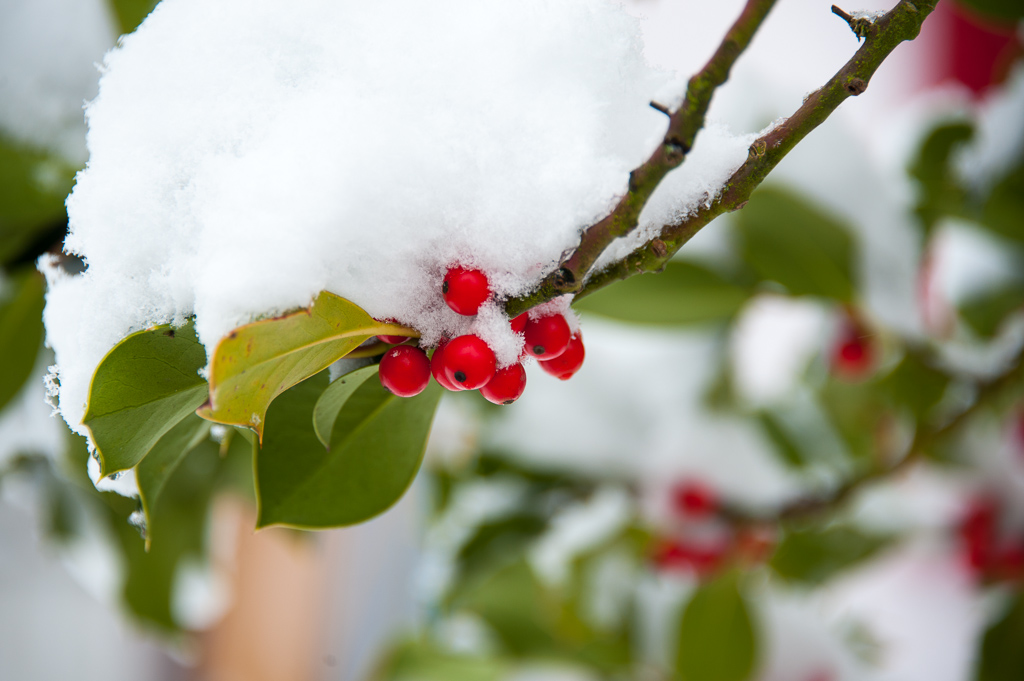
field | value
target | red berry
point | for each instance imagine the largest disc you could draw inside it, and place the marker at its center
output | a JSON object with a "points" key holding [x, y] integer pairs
{"points": [[506, 386], [978, 532], [437, 368], [853, 354], [468, 362], [465, 290], [547, 337], [393, 340], [568, 363], [519, 323], [694, 499], [404, 370]]}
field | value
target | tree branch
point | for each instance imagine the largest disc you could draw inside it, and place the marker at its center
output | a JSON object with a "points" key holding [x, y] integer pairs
{"points": [[683, 127], [923, 438], [901, 23]]}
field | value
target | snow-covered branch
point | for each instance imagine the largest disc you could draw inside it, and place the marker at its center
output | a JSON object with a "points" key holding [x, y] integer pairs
{"points": [[684, 124], [902, 23]]}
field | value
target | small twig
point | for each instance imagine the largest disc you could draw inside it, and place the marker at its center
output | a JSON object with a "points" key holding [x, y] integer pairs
{"points": [[860, 26], [843, 15], [661, 107]]}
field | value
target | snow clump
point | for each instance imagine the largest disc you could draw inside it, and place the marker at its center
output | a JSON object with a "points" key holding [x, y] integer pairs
{"points": [[246, 155]]}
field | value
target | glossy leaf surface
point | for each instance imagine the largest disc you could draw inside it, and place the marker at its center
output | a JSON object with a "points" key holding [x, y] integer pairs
{"points": [[144, 387], [257, 362], [155, 470], [376, 447]]}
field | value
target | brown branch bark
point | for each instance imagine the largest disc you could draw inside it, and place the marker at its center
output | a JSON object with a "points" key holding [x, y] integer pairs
{"points": [[684, 125], [902, 23]]}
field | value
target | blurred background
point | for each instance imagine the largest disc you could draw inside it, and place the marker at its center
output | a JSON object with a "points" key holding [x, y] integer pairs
{"points": [[795, 455]]}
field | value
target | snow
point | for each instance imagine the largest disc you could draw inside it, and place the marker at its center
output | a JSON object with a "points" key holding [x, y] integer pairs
{"points": [[246, 157]]}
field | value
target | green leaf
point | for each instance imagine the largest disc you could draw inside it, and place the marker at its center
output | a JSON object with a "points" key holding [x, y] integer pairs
{"points": [[144, 387], [21, 331], [1002, 655], [940, 191], [496, 541], [33, 185], [333, 399], [813, 556], [785, 446], [178, 525], [788, 240], [130, 13], [717, 641], [998, 9], [422, 661], [156, 469], [257, 362], [985, 313], [914, 385], [1003, 211], [684, 293], [377, 445], [856, 411]]}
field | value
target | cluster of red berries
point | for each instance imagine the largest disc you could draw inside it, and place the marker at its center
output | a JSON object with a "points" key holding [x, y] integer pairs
{"points": [[467, 362], [706, 544]]}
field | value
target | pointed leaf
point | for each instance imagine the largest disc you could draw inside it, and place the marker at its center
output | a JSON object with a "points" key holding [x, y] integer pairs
{"points": [[685, 293], [333, 400], [130, 13], [33, 185], [717, 641], [814, 556], [144, 387], [377, 445], [788, 240], [153, 471], [21, 331], [257, 362], [1001, 656]]}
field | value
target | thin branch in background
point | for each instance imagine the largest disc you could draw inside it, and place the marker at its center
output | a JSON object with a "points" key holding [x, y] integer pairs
{"points": [[924, 437]]}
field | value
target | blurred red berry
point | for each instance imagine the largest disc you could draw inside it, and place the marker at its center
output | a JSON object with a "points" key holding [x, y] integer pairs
{"points": [[853, 355], [468, 362], [393, 340], [569, 362], [1009, 562], [404, 370], [465, 290], [703, 559], [547, 337], [507, 385], [978, 533], [694, 499]]}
